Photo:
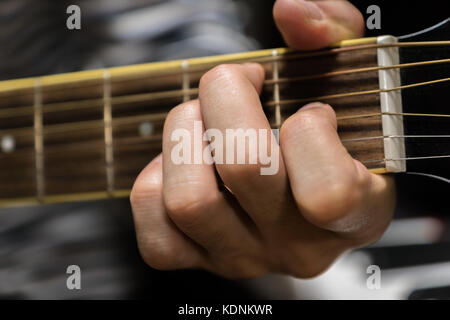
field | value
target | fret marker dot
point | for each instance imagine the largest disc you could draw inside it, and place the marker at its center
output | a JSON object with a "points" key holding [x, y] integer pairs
{"points": [[8, 144], [146, 129]]}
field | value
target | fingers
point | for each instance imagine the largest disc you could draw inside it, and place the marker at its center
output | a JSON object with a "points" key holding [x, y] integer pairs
{"points": [[309, 24], [161, 244], [193, 199], [332, 190], [230, 102], [317, 203]]}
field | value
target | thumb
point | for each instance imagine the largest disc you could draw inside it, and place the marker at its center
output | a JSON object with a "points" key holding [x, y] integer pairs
{"points": [[310, 24]]}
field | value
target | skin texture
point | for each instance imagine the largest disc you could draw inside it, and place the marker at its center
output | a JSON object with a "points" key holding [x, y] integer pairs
{"points": [[320, 204]]}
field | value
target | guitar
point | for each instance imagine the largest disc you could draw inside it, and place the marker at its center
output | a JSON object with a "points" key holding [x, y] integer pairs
{"points": [[87, 135]]}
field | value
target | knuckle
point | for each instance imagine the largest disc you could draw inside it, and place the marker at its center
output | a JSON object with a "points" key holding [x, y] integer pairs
{"points": [[224, 73], [308, 122], [334, 199], [187, 207], [174, 112], [159, 254], [142, 193], [183, 208], [301, 122], [184, 110]]}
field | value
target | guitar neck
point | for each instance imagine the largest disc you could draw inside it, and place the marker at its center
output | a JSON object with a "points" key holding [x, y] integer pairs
{"points": [[87, 135]]}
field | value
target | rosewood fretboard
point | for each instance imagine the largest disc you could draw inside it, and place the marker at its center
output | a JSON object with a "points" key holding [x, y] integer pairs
{"points": [[88, 135]]}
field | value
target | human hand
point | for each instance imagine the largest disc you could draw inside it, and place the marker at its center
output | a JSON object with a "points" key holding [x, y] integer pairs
{"points": [[320, 203]]}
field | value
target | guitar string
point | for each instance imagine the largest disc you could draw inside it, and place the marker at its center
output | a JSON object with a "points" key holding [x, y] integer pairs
{"points": [[289, 55], [129, 142], [396, 137], [379, 114], [366, 162], [358, 93], [267, 104], [158, 95], [354, 71], [97, 124], [157, 139], [447, 156]]}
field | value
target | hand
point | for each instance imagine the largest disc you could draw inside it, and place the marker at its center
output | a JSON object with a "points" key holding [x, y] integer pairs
{"points": [[320, 203]]}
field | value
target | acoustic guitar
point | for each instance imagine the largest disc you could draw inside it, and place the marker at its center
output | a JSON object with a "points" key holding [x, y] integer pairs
{"points": [[87, 135]]}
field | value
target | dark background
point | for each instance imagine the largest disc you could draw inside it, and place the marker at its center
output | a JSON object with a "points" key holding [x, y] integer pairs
{"points": [[398, 17]]}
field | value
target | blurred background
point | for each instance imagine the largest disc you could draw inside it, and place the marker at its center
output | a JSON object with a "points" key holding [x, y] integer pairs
{"points": [[38, 243]]}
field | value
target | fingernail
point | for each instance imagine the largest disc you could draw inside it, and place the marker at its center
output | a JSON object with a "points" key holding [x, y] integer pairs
{"points": [[313, 10]]}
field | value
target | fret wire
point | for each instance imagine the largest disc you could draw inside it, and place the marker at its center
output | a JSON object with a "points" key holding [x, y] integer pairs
{"points": [[107, 118], [185, 81], [38, 141], [276, 90]]}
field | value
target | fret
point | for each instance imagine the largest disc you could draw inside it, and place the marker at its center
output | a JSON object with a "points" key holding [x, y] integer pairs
{"points": [[136, 122], [276, 89], [17, 152], [74, 139], [107, 119], [39, 141], [186, 80]]}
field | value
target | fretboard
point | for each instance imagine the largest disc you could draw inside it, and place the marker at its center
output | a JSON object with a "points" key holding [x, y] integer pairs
{"points": [[87, 135]]}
